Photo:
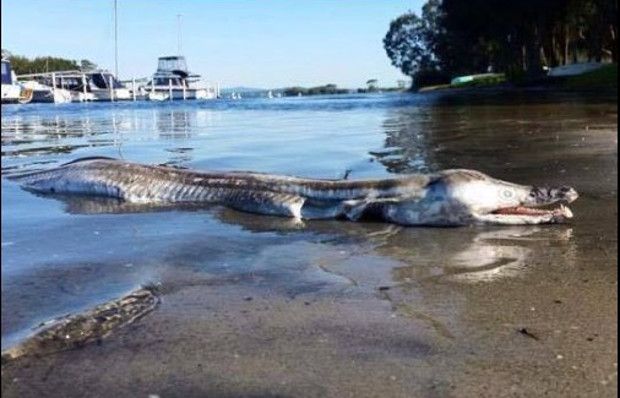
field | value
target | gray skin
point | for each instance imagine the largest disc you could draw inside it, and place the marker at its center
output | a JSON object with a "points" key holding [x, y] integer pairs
{"points": [[446, 198]]}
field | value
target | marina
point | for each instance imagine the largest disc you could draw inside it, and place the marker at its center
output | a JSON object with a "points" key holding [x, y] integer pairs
{"points": [[171, 81]]}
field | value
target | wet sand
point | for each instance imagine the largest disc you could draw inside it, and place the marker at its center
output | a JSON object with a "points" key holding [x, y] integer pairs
{"points": [[376, 331], [336, 309]]}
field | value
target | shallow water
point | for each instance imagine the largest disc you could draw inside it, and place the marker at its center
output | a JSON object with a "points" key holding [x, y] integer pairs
{"points": [[62, 256]]}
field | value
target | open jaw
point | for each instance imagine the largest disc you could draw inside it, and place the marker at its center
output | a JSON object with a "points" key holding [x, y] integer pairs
{"points": [[561, 211]]}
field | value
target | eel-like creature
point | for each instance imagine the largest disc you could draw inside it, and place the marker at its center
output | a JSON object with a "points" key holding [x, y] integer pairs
{"points": [[446, 198]]}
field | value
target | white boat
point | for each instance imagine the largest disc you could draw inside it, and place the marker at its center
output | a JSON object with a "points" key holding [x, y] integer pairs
{"points": [[157, 96], [77, 96], [11, 90], [35, 92], [98, 85], [105, 87], [75, 82], [480, 76], [269, 94], [574, 69], [173, 80], [136, 88]]}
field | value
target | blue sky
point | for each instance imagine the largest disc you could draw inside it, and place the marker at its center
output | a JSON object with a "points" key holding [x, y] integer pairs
{"points": [[266, 43]]}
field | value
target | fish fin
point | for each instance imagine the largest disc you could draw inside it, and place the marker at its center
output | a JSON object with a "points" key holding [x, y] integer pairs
{"points": [[352, 209], [355, 209], [88, 158], [276, 204]]}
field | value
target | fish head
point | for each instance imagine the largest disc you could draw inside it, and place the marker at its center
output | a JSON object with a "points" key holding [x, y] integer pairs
{"points": [[494, 201]]}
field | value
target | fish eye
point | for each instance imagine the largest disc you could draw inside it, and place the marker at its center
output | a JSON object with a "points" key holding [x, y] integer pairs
{"points": [[507, 193]]}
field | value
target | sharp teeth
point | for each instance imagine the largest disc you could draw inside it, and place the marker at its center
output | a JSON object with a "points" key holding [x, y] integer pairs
{"points": [[566, 211]]}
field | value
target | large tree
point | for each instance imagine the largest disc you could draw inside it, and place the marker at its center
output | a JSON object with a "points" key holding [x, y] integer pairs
{"points": [[23, 65], [458, 37], [86, 65], [407, 45]]}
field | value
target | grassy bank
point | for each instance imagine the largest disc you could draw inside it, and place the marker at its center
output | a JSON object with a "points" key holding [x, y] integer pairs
{"points": [[603, 78], [481, 81]]}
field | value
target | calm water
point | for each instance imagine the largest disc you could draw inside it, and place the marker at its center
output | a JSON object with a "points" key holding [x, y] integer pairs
{"points": [[60, 256]]}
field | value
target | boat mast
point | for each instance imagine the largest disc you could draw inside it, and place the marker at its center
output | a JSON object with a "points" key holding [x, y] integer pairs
{"points": [[115, 40]]}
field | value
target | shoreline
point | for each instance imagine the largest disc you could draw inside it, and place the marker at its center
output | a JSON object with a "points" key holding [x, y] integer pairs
{"points": [[603, 79], [513, 88]]}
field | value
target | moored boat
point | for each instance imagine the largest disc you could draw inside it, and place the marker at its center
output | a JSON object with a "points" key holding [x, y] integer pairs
{"points": [[74, 85], [105, 87], [35, 92], [173, 81], [574, 69], [11, 89]]}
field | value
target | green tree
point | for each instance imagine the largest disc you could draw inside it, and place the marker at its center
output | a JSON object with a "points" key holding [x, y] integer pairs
{"points": [[372, 84], [20, 64], [86, 65], [23, 65], [454, 37], [406, 44]]}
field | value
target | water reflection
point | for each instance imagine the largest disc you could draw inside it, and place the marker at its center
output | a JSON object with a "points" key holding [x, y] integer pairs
{"points": [[174, 124], [31, 140], [408, 145], [494, 139], [460, 254], [39, 137], [179, 156], [19, 130], [484, 255]]}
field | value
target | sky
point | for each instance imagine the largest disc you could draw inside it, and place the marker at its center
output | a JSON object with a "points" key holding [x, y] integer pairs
{"points": [[251, 43]]}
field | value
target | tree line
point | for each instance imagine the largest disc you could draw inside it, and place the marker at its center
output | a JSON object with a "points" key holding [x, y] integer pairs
{"points": [[24, 65], [519, 38]]}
